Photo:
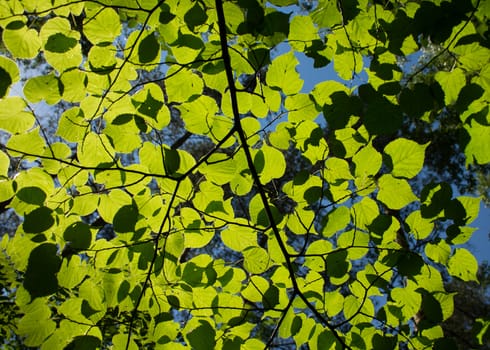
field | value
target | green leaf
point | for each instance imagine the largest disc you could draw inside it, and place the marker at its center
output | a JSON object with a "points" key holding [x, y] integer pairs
{"points": [[326, 14], [46, 87], [395, 193], [258, 213], [451, 83], [239, 238], [120, 341], [38, 220], [72, 272], [74, 85], [382, 117], [269, 163], [438, 252], [125, 219], [196, 16], [419, 226], [220, 168], [337, 220], [348, 64], [148, 49], [364, 212], [40, 276], [352, 306], [337, 264], [283, 2], [202, 336], [32, 195], [476, 150], [409, 301], [149, 103], [302, 32], [102, 26], [36, 325], [96, 150], [60, 43], [13, 117], [79, 235], [21, 41], [181, 87], [334, 302], [102, 60], [4, 164], [462, 264], [283, 76], [358, 241], [471, 206], [368, 161], [256, 260], [406, 157]]}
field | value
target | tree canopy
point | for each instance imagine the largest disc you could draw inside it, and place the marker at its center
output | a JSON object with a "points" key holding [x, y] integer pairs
{"points": [[190, 192]]}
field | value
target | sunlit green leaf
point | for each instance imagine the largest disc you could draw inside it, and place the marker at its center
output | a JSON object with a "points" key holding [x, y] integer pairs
{"points": [[462, 264], [36, 325], [367, 161], [102, 26], [395, 193], [47, 87], [451, 83], [420, 226], [327, 14], [476, 150], [29, 143], [283, 76], [21, 41], [13, 116], [257, 260], [406, 157]]}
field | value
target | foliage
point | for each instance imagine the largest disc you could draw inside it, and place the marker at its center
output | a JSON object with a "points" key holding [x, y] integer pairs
{"points": [[132, 239]]}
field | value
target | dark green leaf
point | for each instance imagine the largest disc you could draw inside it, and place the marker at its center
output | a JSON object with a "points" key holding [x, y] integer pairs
{"points": [[148, 49], [5, 82], [84, 342], [202, 337], [40, 277], [60, 43], [271, 297], [165, 15], [32, 195], [79, 235], [38, 220], [337, 265], [125, 219], [150, 106], [196, 16], [171, 160]]}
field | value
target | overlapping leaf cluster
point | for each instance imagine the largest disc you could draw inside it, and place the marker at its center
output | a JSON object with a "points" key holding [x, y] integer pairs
{"points": [[299, 225]]}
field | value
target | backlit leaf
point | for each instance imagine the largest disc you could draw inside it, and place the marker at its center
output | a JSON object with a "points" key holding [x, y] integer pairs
{"points": [[406, 156], [21, 41], [283, 76], [102, 26], [395, 193], [462, 264]]}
